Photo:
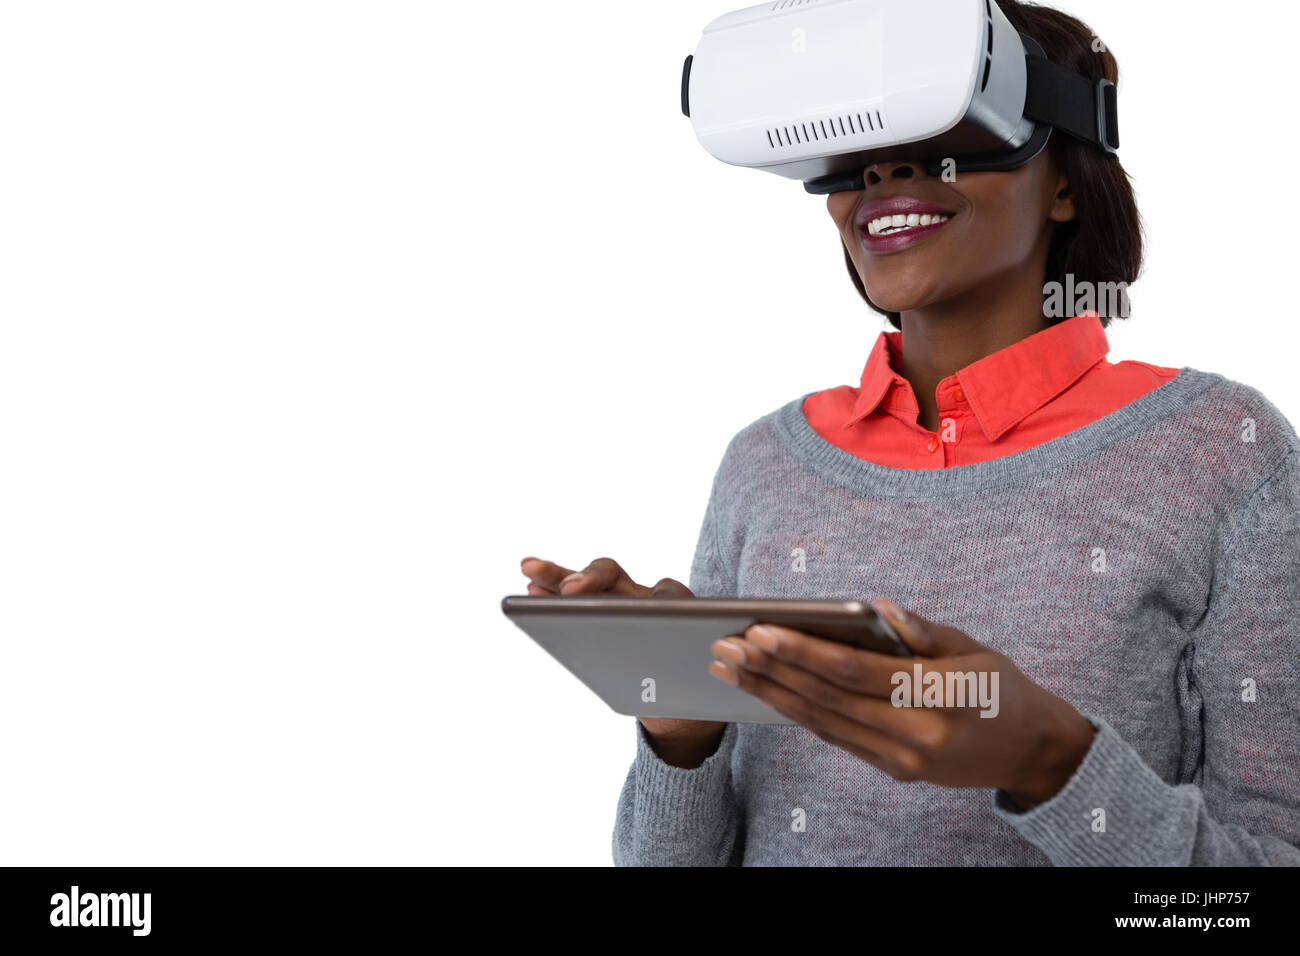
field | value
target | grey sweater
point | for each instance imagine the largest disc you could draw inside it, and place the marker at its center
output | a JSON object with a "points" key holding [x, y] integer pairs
{"points": [[1145, 567]]}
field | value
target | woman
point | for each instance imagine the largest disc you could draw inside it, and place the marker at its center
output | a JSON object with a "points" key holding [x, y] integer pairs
{"points": [[1109, 552]]}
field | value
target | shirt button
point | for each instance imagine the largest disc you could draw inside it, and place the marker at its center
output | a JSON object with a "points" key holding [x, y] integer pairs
{"points": [[958, 395], [933, 446]]}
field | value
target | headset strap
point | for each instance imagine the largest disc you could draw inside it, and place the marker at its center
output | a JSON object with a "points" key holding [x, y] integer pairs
{"points": [[1072, 103]]}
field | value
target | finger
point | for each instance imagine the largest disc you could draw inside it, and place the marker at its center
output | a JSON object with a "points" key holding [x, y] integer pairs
{"points": [[546, 575], [602, 576], [926, 637], [835, 728], [667, 587], [854, 669], [871, 711]]}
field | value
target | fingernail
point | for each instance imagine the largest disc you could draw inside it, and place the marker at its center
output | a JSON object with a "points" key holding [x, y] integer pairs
{"points": [[889, 609], [575, 576], [763, 636], [724, 672], [729, 650]]}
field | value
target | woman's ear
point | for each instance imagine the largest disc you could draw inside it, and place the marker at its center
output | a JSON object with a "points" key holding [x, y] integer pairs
{"points": [[1062, 201]]}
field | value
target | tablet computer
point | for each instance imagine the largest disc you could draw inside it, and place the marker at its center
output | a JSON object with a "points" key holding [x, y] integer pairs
{"points": [[649, 657]]}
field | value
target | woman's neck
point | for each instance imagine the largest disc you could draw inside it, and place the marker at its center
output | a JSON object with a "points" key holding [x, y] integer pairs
{"points": [[942, 338]]}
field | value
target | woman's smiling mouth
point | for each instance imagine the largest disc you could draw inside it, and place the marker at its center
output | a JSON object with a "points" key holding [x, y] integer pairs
{"points": [[888, 225]]}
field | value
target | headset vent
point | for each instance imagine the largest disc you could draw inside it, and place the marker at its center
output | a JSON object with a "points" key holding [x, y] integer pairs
{"points": [[826, 130]]}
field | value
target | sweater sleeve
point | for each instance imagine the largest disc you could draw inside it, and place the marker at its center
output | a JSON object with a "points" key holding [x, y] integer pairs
{"points": [[670, 816], [1246, 667]]}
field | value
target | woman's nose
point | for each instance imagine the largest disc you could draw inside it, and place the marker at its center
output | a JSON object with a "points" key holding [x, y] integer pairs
{"points": [[877, 173]]}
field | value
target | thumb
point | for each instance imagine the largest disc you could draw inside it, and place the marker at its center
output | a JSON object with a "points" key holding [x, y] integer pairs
{"points": [[669, 588], [925, 637]]}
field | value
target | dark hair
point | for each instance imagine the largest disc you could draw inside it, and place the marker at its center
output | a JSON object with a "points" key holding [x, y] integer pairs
{"points": [[1103, 244]]}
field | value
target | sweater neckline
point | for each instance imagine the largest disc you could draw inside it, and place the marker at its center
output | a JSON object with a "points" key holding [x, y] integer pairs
{"points": [[866, 477]]}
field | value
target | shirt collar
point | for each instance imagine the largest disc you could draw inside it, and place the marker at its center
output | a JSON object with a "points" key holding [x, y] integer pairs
{"points": [[1003, 388], [878, 377]]}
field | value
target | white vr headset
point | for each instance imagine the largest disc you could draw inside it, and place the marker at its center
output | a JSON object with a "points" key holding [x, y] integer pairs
{"points": [[818, 90]]}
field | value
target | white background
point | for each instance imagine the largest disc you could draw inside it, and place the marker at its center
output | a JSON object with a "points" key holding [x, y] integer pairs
{"points": [[317, 317]]}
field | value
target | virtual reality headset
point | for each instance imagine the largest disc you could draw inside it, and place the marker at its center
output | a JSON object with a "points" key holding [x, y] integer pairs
{"points": [[817, 90]]}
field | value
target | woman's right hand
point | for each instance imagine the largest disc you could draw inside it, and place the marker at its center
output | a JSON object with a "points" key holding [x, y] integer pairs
{"points": [[681, 743]]}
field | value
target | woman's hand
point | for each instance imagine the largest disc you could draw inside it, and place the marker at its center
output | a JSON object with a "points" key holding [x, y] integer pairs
{"points": [[1029, 743], [681, 743]]}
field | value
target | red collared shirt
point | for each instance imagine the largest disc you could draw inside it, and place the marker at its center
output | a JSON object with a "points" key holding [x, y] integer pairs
{"points": [[1040, 388]]}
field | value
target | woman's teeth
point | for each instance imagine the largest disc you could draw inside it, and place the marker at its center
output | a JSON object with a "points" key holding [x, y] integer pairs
{"points": [[888, 225]]}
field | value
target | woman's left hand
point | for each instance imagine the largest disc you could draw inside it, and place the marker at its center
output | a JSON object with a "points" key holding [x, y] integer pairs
{"points": [[1029, 743]]}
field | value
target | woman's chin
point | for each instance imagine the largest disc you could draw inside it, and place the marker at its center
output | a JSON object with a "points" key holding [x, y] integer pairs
{"points": [[901, 290], [898, 303]]}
